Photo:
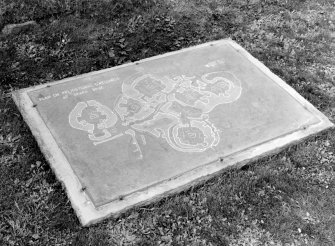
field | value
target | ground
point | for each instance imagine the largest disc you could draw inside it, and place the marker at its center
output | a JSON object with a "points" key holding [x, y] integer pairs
{"points": [[286, 199]]}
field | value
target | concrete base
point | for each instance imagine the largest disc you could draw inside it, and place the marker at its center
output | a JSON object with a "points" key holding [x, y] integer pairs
{"points": [[132, 134]]}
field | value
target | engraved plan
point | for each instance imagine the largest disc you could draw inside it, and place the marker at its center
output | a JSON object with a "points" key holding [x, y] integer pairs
{"points": [[174, 109]]}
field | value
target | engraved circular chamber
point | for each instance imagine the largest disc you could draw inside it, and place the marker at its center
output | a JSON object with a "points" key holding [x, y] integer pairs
{"points": [[197, 136], [94, 118], [222, 86]]}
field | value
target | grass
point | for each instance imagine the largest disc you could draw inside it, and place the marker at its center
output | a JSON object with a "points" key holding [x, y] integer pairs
{"points": [[286, 199]]}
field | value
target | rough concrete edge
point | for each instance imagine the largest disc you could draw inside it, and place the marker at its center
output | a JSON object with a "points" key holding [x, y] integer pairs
{"points": [[202, 174], [52, 153], [82, 205]]}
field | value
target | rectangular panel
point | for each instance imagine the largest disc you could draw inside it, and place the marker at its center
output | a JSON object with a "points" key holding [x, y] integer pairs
{"points": [[133, 133]]}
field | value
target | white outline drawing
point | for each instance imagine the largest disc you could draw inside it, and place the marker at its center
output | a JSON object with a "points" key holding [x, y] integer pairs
{"points": [[94, 118], [174, 109]]}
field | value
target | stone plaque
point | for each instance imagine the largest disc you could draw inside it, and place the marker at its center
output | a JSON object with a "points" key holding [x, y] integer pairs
{"points": [[132, 134]]}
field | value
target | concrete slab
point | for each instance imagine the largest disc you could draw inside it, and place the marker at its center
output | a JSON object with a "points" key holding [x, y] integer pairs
{"points": [[132, 134]]}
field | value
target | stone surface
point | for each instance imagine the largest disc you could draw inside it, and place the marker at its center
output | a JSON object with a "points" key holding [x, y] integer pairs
{"points": [[17, 28], [138, 126]]}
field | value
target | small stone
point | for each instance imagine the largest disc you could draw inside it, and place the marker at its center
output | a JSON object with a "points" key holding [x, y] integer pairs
{"points": [[166, 238], [111, 53], [254, 1], [38, 163], [17, 28]]}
